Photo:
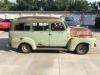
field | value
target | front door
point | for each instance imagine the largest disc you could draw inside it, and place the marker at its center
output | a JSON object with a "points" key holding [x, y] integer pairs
{"points": [[58, 35]]}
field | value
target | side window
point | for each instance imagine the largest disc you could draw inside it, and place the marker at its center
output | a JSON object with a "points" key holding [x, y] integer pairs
{"points": [[40, 26], [27, 27], [22, 27], [57, 27]]}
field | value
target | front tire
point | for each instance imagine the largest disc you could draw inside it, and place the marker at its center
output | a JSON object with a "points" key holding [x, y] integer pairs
{"points": [[82, 49], [25, 48]]}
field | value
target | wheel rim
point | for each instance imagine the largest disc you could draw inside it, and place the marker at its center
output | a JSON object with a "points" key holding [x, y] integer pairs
{"points": [[82, 49], [25, 48]]}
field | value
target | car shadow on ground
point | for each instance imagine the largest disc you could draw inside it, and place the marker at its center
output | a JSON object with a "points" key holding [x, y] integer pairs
{"points": [[4, 47]]}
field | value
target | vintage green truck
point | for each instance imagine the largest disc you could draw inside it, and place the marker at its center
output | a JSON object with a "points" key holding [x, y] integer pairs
{"points": [[31, 32]]}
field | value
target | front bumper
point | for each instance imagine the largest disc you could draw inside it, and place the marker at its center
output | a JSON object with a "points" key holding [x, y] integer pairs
{"points": [[93, 46]]}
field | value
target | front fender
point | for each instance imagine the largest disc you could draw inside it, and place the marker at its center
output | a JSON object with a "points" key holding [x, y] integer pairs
{"points": [[75, 41]]}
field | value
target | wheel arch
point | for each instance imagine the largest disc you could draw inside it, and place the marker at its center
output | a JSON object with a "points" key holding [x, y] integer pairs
{"points": [[24, 43], [84, 50], [82, 43], [29, 41], [73, 43]]}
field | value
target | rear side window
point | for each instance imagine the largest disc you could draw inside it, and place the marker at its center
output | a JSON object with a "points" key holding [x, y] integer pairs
{"points": [[22, 27], [40, 26]]}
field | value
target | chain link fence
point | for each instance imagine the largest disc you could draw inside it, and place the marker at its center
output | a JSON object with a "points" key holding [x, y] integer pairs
{"points": [[84, 18]]}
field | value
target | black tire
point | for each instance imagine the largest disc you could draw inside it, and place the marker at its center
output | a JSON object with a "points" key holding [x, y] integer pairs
{"points": [[25, 48], [82, 49]]}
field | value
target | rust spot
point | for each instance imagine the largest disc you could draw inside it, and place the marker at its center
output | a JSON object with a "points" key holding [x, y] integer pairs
{"points": [[38, 17], [80, 32]]}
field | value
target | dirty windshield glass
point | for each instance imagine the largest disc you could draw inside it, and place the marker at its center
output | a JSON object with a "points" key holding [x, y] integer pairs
{"points": [[70, 21]]}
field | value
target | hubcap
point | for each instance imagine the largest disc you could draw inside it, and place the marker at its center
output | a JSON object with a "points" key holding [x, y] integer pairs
{"points": [[24, 48], [82, 49]]}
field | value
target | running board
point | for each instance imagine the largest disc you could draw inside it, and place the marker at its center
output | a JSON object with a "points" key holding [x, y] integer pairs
{"points": [[58, 49]]}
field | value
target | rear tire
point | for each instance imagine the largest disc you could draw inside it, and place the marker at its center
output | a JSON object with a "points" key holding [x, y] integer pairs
{"points": [[82, 49], [25, 48]]}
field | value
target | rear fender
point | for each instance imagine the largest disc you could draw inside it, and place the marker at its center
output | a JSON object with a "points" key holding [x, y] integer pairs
{"points": [[28, 41], [24, 40]]}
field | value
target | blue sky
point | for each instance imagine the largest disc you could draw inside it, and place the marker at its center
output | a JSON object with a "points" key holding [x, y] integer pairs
{"points": [[88, 0]]}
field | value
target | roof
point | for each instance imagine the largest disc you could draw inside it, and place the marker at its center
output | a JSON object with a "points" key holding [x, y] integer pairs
{"points": [[37, 19]]}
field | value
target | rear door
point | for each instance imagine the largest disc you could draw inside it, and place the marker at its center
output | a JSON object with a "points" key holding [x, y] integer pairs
{"points": [[40, 33], [19, 31]]}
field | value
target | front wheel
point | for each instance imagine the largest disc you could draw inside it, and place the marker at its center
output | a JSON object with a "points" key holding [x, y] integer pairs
{"points": [[25, 48], [82, 49]]}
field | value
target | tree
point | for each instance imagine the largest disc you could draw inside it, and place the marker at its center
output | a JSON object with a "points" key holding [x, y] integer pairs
{"points": [[0, 5], [62, 5], [39, 5], [5, 5], [25, 5], [98, 5], [13, 7], [48, 5], [79, 5], [94, 6]]}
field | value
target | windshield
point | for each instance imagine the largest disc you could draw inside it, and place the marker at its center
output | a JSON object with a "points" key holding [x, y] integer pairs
{"points": [[70, 21]]}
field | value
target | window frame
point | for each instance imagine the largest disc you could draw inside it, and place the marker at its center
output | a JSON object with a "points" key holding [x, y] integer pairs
{"points": [[43, 27], [13, 27], [58, 30]]}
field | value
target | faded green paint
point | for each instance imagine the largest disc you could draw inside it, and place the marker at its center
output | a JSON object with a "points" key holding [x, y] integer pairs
{"points": [[75, 41], [42, 38]]}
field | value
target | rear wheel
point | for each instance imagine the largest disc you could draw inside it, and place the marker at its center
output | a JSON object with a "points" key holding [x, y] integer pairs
{"points": [[82, 49], [25, 48]]}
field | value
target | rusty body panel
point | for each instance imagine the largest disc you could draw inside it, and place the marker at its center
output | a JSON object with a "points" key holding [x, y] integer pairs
{"points": [[37, 17], [80, 32]]}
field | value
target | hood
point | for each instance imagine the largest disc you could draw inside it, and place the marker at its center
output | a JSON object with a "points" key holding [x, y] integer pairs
{"points": [[80, 32]]}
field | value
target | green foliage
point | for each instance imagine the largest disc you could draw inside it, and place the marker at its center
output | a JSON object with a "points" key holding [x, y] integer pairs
{"points": [[48, 5], [4, 5], [23, 5], [94, 6], [79, 5]]}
